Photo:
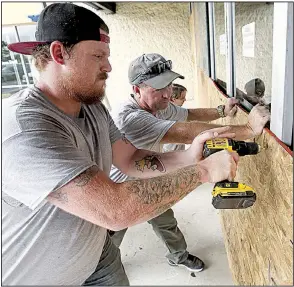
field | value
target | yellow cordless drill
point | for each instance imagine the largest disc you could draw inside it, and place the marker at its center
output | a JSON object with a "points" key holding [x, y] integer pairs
{"points": [[226, 194]]}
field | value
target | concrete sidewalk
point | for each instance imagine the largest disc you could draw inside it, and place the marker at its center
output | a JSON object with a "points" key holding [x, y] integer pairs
{"points": [[143, 253]]}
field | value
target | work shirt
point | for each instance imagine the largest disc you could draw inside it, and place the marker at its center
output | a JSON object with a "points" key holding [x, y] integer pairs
{"points": [[143, 129], [42, 150]]}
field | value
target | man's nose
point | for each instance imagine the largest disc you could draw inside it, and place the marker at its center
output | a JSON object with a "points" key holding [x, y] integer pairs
{"points": [[166, 94], [107, 67]]}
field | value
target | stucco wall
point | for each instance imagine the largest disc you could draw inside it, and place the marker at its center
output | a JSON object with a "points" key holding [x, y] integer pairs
{"points": [[248, 68], [139, 28], [17, 13]]}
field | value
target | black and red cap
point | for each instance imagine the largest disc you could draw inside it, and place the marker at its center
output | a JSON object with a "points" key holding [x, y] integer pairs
{"points": [[64, 22]]}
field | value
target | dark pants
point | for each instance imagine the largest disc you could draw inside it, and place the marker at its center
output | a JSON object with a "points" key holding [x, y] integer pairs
{"points": [[109, 271], [166, 228]]}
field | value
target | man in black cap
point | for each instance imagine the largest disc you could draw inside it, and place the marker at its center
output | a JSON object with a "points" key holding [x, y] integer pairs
{"points": [[148, 120], [59, 142]]}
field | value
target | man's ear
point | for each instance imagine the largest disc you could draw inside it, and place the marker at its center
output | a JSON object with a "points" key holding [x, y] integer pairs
{"points": [[57, 52], [136, 90]]}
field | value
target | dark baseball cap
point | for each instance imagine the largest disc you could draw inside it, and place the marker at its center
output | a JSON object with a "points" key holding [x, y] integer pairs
{"points": [[152, 70], [64, 22]]}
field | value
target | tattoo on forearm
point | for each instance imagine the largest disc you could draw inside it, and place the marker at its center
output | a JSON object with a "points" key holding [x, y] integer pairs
{"points": [[151, 162], [80, 180], [125, 139], [86, 176], [162, 189]]}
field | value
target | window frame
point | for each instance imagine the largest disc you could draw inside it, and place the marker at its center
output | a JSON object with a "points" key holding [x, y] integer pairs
{"points": [[211, 36], [231, 48], [282, 87]]}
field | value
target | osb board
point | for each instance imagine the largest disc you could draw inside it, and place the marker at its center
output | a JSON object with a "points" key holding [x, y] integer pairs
{"points": [[259, 240]]}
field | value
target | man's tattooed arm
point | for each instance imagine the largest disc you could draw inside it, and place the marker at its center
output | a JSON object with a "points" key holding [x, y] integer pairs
{"points": [[160, 193], [140, 163], [95, 198], [151, 162], [79, 181]]}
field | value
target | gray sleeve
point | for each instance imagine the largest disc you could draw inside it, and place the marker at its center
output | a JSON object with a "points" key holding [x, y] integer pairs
{"points": [[173, 147], [143, 129], [175, 113], [114, 132], [38, 162]]}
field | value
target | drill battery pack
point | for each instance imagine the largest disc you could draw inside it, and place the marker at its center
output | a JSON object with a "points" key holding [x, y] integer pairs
{"points": [[232, 195]]}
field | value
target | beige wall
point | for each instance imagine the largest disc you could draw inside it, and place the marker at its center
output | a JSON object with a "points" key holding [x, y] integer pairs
{"points": [[17, 12], [139, 28]]}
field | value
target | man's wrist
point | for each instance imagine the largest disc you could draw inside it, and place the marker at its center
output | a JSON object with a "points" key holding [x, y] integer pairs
{"points": [[221, 111], [249, 131], [189, 155], [203, 172]]}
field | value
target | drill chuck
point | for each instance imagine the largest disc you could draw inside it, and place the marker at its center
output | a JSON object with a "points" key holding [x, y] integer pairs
{"points": [[246, 148]]}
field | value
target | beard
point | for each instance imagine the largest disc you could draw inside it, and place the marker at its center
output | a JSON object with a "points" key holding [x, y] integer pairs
{"points": [[88, 94], [161, 106], [90, 98]]}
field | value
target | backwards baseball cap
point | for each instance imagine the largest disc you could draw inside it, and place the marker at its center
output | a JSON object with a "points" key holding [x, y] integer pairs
{"points": [[64, 22], [152, 70]]}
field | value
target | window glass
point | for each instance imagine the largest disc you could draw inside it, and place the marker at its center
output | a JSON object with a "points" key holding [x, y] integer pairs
{"points": [[254, 50], [12, 73], [201, 36], [27, 33], [220, 45]]}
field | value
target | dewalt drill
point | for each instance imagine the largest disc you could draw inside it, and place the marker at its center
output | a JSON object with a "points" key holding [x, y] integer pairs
{"points": [[226, 194]]}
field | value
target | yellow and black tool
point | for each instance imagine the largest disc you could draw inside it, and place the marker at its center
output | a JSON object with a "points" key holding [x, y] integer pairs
{"points": [[226, 194]]}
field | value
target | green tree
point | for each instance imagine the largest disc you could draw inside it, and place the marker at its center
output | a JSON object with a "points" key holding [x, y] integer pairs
{"points": [[4, 52]]}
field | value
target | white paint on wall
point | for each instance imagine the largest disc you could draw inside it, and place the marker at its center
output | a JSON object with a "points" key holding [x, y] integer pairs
{"points": [[154, 27]]}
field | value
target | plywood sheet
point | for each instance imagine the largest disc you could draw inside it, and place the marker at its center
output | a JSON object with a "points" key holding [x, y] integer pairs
{"points": [[259, 240]]}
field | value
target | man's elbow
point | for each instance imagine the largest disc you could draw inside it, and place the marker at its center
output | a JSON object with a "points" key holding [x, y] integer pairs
{"points": [[116, 219]]}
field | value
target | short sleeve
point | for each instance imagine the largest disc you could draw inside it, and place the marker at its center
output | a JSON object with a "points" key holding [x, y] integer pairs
{"points": [[143, 129], [175, 113], [114, 132], [38, 162]]}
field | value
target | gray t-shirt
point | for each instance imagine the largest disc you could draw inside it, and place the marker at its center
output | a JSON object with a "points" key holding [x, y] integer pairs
{"points": [[43, 149], [143, 129], [173, 147]]}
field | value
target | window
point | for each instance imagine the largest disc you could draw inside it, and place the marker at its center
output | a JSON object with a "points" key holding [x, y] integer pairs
{"points": [[254, 52], [16, 72], [201, 40], [220, 45], [251, 56], [12, 71]]}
